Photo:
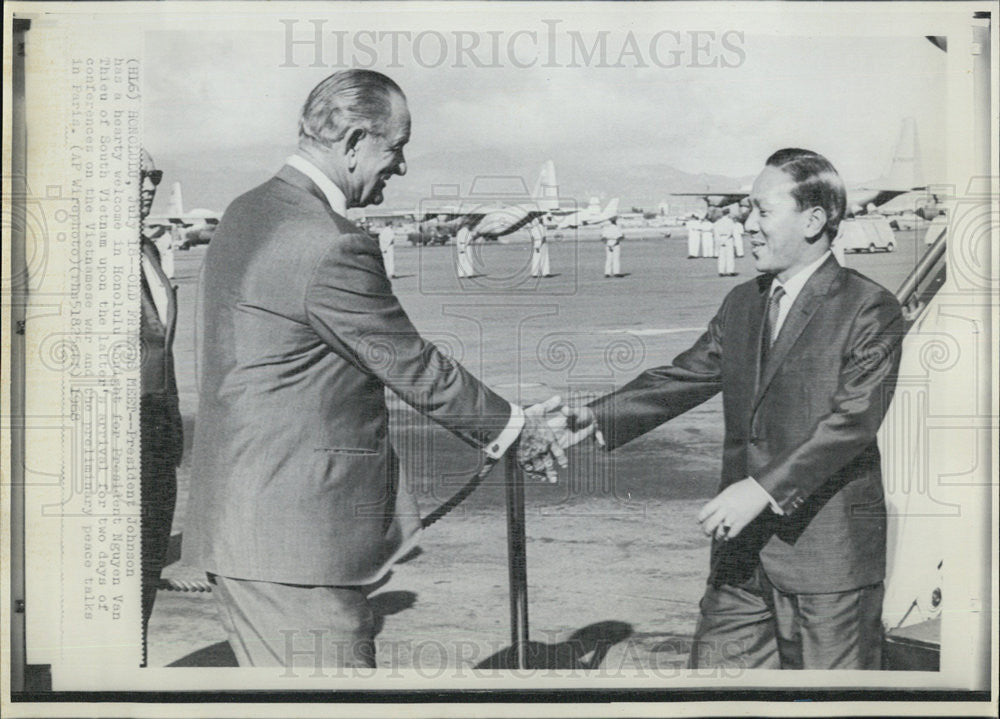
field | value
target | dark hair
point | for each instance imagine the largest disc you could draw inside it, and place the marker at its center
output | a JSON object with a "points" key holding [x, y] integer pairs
{"points": [[817, 184], [345, 99]]}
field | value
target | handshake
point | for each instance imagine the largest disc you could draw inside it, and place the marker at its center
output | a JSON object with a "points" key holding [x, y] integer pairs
{"points": [[550, 428]]}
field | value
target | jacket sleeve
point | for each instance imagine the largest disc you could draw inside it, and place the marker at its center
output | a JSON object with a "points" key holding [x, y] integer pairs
{"points": [[349, 302], [864, 389], [662, 393]]}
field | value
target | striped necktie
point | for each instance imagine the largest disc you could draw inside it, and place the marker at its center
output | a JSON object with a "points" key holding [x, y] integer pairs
{"points": [[771, 327]]}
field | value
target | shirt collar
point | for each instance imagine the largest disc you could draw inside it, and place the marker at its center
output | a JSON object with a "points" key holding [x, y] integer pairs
{"points": [[794, 284], [334, 197]]}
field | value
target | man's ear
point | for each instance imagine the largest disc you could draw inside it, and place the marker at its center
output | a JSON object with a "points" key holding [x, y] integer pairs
{"points": [[351, 141], [815, 223]]}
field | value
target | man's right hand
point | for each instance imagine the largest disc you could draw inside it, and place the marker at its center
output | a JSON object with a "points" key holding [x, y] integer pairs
{"points": [[578, 423], [540, 448], [550, 428]]}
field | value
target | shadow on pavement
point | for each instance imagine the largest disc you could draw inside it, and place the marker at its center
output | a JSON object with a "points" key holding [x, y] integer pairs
{"points": [[387, 603], [215, 655], [586, 649]]}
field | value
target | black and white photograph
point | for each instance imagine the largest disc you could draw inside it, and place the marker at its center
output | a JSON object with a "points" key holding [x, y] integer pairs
{"points": [[443, 356]]}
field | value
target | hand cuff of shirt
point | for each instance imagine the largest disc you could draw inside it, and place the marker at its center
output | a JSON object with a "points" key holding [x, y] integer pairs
{"points": [[503, 441], [599, 438], [775, 507]]}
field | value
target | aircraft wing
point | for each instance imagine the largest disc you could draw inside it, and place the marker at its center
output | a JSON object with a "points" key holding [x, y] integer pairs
{"points": [[879, 197], [186, 220], [498, 216], [494, 221], [403, 215], [716, 199]]}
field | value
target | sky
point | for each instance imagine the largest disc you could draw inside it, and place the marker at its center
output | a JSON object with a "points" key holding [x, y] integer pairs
{"points": [[674, 101]]}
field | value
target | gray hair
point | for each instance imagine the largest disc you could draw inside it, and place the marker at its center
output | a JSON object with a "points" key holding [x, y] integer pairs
{"points": [[347, 99]]}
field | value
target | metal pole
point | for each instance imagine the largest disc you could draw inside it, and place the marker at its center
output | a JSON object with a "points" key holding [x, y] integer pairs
{"points": [[517, 562]]}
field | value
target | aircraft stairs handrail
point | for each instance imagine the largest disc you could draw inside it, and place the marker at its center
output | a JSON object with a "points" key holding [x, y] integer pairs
{"points": [[924, 281]]}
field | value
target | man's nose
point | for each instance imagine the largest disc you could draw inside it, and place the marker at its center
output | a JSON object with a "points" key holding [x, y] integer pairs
{"points": [[401, 167], [752, 225]]}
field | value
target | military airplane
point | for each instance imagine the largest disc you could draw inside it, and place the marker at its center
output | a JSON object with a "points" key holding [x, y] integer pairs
{"points": [[498, 205], [193, 227], [903, 176], [590, 215]]}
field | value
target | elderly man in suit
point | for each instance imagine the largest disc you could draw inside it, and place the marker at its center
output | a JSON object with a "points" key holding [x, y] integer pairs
{"points": [[296, 501], [162, 435], [806, 357]]}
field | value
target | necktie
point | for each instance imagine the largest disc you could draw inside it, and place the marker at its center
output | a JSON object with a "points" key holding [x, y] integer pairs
{"points": [[771, 327], [773, 311]]}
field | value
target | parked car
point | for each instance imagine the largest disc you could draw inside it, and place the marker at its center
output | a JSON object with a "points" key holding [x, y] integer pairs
{"points": [[867, 233]]}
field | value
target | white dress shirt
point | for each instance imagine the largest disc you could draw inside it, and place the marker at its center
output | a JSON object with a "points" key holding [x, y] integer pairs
{"points": [[334, 197], [793, 286], [338, 203]]}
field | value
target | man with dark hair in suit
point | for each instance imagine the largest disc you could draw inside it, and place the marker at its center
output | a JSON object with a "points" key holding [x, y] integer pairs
{"points": [[806, 358], [161, 431], [296, 502]]}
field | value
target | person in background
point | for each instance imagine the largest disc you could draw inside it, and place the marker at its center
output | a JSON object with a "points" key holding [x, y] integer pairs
{"points": [[539, 250], [463, 259], [739, 216], [707, 238], [694, 235], [612, 235], [723, 229], [161, 428], [386, 242]]}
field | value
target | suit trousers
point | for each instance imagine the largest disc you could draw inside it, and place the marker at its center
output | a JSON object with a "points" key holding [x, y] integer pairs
{"points": [[159, 452], [756, 626], [296, 626]]}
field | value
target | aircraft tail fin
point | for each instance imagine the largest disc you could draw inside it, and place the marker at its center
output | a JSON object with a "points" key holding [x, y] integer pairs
{"points": [[905, 172], [611, 210], [546, 191], [176, 206]]}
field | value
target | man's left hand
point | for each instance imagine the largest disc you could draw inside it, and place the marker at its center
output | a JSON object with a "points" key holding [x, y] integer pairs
{"points": [[539, 450], [725, 516]]}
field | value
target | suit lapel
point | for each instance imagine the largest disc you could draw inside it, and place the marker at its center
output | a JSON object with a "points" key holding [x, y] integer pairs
{"points": [[153, 254], [806, 304]]}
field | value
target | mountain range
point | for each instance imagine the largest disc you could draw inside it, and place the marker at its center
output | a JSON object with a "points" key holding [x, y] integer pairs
{"points": [[639, 182]]}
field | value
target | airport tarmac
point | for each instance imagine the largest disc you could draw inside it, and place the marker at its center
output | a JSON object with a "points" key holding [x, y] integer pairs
{"points": [[616, 563]]}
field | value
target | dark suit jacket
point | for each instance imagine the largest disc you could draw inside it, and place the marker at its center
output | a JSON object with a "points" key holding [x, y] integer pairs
{"points": [[294, 479], [803, 425], [160, 411]]}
